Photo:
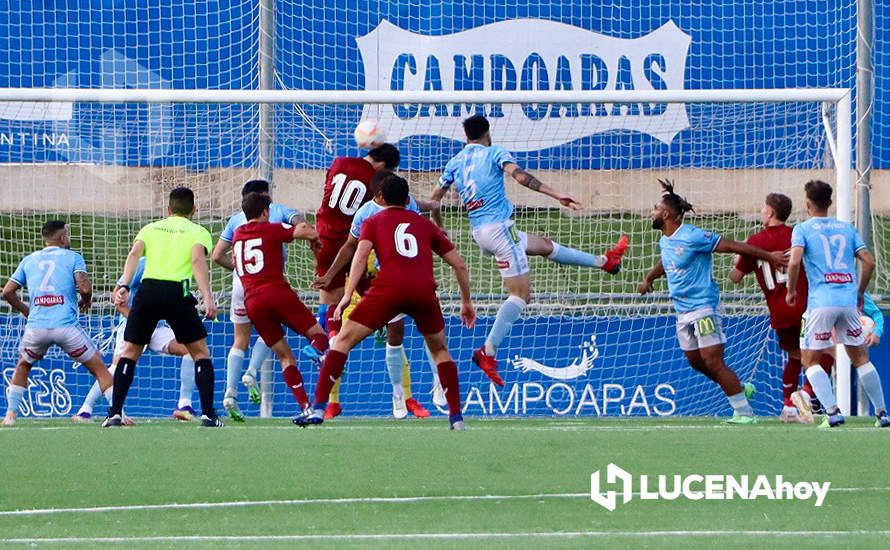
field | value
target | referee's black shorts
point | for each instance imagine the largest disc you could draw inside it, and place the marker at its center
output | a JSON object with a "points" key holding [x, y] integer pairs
{"points": [[168, 300]]}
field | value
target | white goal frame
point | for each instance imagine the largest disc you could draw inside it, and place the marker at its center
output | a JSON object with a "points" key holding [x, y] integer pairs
{"points": [[838, 130]]}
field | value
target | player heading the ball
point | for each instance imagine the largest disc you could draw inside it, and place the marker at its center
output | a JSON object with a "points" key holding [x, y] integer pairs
{"points": [[404, 243]]}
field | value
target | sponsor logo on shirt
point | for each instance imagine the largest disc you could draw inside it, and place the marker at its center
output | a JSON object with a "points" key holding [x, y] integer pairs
{"points": [[49, 300], [838, 278], [503, 264], [822, 336], [854, 332], [473, 205]]}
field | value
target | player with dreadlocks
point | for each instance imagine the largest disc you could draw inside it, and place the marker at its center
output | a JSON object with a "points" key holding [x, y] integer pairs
{"points": [[687, 260]]}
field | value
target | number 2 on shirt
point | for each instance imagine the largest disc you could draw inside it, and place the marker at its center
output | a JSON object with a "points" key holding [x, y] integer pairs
{"points": [[248, 257]]}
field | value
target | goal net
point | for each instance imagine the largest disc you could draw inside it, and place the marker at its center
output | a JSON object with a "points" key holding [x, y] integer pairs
{"points": [[104, 160]]}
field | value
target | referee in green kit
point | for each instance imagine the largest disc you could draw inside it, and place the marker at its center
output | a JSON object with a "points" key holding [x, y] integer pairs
{"points": [[175, 249]]}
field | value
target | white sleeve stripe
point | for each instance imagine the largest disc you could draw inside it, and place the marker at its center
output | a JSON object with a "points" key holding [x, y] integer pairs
{"points": [[16, 281]]}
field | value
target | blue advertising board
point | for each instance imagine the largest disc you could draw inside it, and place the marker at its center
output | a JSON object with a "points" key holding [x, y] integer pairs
{"points": [[595, 366], [461, 45]]}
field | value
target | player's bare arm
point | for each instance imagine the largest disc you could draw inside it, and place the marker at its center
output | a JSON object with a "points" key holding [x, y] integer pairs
{"points": [[776, 258], [467, 311], [305, 232], [123, 309], [130, 266], [297, 219], [427, 205], [11, 295], [356, 270], [526, 179], [793, 269], [85, 290], [202, 278], [736, 275], [655, 273], [436, 213], [867, 269], [340, 260], [222, 256]]}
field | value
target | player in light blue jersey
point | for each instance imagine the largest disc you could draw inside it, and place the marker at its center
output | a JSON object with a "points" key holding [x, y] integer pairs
{"points": [[58, 286], [162, 341], [687, 261], [477, 173], [238, 312], [828, 249], [395, 330]]}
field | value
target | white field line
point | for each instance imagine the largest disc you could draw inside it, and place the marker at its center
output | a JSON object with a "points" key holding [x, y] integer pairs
{"points": [[445, 536], [335, 501]]}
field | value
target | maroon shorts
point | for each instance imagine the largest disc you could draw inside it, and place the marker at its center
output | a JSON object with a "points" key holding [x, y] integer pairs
{"points": [[273, 307], [789, 338], [325, 257], [379, 306]]}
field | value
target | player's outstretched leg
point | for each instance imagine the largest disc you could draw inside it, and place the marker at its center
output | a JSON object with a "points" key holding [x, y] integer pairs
{"points": [[610, 262]]}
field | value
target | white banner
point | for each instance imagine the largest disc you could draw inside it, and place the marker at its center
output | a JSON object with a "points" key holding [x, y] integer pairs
{"points": [[526, 54]]}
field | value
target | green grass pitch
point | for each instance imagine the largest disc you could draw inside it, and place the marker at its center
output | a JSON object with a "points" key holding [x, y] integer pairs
{"points": [[400, 484]]}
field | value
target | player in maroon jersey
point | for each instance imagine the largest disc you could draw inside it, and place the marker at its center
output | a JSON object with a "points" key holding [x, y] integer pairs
{"points": [[785, 319], [404, 243], [346, 188], [258, 255]]}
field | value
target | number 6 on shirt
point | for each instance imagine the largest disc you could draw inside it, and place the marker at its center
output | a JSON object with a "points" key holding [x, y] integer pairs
{"points": [[406, 244]]}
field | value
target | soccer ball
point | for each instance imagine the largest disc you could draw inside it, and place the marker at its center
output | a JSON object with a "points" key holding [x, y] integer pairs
{"points": [[369, 134]]}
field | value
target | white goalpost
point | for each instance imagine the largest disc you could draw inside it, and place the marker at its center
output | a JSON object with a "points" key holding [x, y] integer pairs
{"points": [[109, 156]]}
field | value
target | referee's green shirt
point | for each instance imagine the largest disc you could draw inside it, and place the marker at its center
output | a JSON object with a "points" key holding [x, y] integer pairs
{"points": [[168, 247]]}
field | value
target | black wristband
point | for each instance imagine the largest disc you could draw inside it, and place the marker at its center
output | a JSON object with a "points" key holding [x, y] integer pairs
{"points": [[124, 286]]}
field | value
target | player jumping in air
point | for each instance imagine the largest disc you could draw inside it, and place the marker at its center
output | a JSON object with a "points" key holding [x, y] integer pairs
{"points": [[477, 172], [828, 249], [404, 243], [258, 253], [346, 188], [785, 320], [395, 329], [238, 313], [687, 260], [55, 277]]}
